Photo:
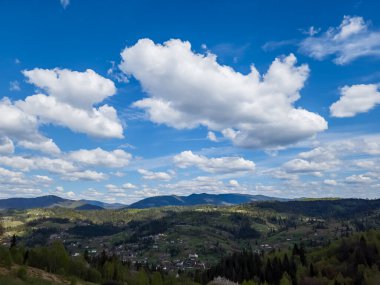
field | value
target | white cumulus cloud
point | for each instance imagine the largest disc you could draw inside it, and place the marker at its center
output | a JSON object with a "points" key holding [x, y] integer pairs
{"points": [[120, 189], [186, 90], [79, 89], [300, 165], [47, 146], [100, 157], [359, 179], [89, 175], [213, 165], [355, 99], [150, 175]]}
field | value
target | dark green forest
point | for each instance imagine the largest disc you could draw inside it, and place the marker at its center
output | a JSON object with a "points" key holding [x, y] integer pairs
{"points": [[351, 260]]}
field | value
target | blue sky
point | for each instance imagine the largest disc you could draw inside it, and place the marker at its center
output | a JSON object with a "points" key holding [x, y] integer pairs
{"points": [[121, 100]]}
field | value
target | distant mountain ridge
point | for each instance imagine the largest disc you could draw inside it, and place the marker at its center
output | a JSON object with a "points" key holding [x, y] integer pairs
{"points": [[200, 199], [26, 203], [51, 201]]}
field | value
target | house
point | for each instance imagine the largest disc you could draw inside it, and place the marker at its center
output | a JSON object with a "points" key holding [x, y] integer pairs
{"points": [[193, 256]]}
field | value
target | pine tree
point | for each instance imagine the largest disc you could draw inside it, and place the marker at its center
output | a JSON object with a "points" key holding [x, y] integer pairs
{"points": [[13, 241], [302, 253], [311, 270], [295, 250], [285, 280]]}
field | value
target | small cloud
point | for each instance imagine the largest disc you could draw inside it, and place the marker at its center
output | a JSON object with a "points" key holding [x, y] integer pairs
{"points": [[358, 179], [229, 51], [43, 179], [17, 61], [355, 99], [59, 189], [233, 183], [65, 3], [311, 31], [6, 145], [150, 175], [14, 86], [119, 174], [273, 45], [86, 175], [127, 145], [212, 137], [330, 182], [116, 74], [352, 39], [223, 165], [128, 186]]}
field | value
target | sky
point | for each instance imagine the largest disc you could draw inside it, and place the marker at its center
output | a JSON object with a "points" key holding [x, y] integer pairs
{"points": [[118, 100]]}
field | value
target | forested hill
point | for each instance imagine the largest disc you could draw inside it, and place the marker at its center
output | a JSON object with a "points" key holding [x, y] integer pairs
{"points": [[27, 203], [353, 260], [337, 208]]}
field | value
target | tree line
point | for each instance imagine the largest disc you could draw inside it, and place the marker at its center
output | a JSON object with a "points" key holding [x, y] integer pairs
{"points": [[353, 260], [102, 269]]}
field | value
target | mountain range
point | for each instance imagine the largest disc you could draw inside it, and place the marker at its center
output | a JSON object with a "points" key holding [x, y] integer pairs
{"points": [[50, 201], [200, 199]]}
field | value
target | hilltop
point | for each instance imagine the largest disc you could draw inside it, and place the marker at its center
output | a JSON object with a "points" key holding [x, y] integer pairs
{"points": [[200, 199]]}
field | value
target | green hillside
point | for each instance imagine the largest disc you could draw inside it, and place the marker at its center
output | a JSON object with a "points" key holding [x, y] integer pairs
{"points": [[182, 240]]}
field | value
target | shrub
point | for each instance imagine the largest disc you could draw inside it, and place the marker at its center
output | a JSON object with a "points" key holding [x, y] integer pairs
{"points": [[22, 273]]}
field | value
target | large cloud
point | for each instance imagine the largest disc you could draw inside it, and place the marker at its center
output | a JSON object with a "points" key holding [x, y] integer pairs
{"points": [[214, 165], [355, 99], [71, 99], [351, 40], [187, 90]]}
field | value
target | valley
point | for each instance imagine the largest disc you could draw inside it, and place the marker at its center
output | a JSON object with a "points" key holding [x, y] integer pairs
{"points": [[185, 240]]}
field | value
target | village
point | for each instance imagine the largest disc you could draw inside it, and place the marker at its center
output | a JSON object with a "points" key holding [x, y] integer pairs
{"points": [[151, 252]]}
